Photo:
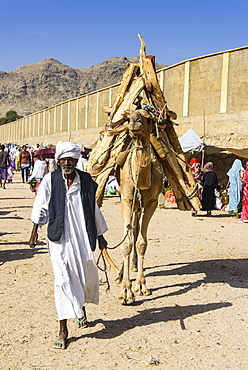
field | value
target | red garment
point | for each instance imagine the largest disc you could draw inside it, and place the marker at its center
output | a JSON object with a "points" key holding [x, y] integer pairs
{"points": [[193, 161], [197, 173], [196, 169], [244, 214]]}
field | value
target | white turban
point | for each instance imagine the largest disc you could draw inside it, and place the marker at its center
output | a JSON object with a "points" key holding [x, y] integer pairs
{"points": [[66, 149]]}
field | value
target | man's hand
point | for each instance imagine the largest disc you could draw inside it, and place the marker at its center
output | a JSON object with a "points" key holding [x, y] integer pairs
{"points": [[34, 236], [102, 242]]}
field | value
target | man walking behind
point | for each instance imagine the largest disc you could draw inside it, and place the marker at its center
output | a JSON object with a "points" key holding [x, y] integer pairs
{"points": [[66, 200], [25, 162], [4, 163]]}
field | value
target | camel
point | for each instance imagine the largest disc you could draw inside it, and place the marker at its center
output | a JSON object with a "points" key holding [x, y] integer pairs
{"points": [[140, 155], [141, 181]]}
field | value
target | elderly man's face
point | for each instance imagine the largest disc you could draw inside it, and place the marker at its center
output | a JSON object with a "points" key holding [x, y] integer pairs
{"points": [[67, 165]]}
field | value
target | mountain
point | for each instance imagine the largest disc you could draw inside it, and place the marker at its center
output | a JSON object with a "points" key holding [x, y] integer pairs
{"points": [[33, 87]]}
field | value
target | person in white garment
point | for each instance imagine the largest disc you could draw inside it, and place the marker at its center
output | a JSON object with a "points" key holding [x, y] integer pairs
{"points": [[66, 201], [39, 171]]}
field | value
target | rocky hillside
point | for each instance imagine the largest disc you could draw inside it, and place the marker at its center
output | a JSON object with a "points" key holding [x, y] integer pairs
{"points": [[33, 87]]}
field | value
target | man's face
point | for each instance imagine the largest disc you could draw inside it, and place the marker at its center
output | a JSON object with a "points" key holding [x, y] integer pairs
{"points": [[67, 165]]}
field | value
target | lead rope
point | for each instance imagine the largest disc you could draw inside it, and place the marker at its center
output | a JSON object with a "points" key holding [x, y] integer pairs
{"points": [[104, 269], [129, 227]]}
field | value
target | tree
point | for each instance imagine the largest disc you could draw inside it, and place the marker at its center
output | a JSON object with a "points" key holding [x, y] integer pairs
{"points": [[3, 120], [11, 116]]}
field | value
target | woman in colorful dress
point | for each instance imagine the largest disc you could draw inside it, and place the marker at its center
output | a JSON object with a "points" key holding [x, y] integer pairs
{"points": [[244, 214], [234, 187], [197, 173]]}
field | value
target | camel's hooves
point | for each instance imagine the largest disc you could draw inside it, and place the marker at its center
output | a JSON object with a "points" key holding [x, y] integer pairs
{"points": [[126, 301], [138, 292], [130, 301], [147, 292]]}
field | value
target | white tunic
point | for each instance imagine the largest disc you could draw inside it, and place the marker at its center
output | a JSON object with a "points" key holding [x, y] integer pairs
{"points": [[40, 170], [75, 272]]}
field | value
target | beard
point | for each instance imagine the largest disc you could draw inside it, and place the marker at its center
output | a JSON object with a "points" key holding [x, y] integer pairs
{"points": [[67, 170]]}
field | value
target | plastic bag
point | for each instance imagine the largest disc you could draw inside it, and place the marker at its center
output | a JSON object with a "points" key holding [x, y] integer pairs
{"points": [[218, 202]]}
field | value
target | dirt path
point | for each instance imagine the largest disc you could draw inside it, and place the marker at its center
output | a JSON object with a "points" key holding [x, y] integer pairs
{"points": [[196, 317]]}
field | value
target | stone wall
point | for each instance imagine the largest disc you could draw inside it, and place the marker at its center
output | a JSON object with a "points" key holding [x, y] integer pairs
{"points": [[209, 94]]}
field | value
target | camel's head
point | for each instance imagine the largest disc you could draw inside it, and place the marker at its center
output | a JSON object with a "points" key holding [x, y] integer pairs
{"points": [[140, 124]]}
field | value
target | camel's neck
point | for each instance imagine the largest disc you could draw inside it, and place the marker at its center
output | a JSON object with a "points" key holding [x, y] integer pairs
{"points": [[143, 142], [141, 165]]}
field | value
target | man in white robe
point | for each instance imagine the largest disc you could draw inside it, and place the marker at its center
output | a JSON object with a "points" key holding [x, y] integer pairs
{"points": [[75, 272]]}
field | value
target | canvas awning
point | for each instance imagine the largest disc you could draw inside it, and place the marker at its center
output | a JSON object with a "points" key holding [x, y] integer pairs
{"points": [[190, 141]]}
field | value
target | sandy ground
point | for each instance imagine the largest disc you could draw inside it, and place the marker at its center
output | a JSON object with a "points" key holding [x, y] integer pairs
{"points": [[196, 317]]}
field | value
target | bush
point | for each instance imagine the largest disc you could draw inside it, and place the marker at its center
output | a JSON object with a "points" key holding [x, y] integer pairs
{"points": [[11, 116]]}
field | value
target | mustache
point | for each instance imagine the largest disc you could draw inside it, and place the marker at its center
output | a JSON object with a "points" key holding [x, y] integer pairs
{"points": [[68, 169]]}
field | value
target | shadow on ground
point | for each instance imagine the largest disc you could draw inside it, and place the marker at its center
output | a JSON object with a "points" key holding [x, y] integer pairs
{"points": [[114, 328], [228, 271], [20, 254]]}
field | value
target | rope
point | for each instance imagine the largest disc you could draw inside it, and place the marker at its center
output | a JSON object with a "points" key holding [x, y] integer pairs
{"points": [[104, 269], [191, 195], [162, 111], [173, 151], [129, 227]]}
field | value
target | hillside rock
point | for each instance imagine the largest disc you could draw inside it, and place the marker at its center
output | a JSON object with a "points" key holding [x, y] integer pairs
{"points": [[33, 87]]}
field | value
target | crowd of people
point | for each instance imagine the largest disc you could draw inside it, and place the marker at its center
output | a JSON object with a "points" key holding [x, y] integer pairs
{"points": [[15, 158], [209, 189], [32, 165]]}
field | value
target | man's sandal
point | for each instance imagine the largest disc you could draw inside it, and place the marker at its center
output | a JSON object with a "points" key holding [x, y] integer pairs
{"points": [[59, 344], [82, 323]]}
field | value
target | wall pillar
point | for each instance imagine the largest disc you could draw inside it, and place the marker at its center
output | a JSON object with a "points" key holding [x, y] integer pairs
{"points": [[97, 109], [186, 89], [224, 82], [86, 110]]}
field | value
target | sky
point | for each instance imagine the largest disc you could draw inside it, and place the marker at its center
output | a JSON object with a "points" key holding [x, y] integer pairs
{"points": [[82, 33]]}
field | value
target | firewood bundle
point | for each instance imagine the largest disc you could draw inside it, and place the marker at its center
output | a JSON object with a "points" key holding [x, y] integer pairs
{"points": [[140, 89]]}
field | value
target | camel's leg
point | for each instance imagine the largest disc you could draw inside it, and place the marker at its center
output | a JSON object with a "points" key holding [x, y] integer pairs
{"points": [[126, 295], [141, 245], [134, 262]]}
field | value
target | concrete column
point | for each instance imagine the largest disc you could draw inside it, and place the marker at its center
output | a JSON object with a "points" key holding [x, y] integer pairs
{"points": [[77, 109], [86, 110], [13, 136], [69, 117], [161, 80], [30, 126], [61, 117], [97, 109], [4, 135], [38, 133], [49, 131], [110, 97], [224, 83], [25, 134], [55, 119], [44, 122], [7, 133], [186, 89]]}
